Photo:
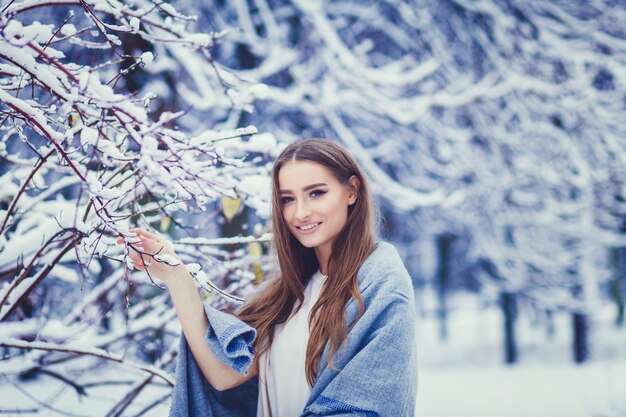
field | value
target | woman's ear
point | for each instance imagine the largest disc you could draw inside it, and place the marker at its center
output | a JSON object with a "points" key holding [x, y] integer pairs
{"points": [[354, 185]]}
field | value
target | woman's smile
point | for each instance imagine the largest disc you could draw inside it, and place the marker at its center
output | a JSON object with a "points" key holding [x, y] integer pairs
{"points": [[309, 228]]}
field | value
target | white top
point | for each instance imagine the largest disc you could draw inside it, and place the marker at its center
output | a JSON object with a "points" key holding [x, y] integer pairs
{"points": [[283, 390]]}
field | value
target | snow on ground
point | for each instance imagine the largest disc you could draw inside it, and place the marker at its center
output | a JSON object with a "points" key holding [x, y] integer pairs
{"points": [[466, 377], [596, 389], [593, 390]]}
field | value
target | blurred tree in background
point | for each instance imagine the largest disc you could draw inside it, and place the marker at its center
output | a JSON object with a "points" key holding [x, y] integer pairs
{"points": [[495, 122]]}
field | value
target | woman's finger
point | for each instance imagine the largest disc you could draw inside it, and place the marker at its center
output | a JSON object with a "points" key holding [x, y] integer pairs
{"points": [[152, 246], [145, 248], [141, 233], [146, 233]]}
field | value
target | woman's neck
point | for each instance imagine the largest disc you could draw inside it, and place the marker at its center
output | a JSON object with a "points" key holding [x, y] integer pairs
{"points": [[322, 258]]}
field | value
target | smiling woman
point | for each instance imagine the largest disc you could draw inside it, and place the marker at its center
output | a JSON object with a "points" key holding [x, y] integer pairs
{"points": [[332, 333]]}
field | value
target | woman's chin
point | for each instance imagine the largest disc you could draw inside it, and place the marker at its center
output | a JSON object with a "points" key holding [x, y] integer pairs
{"points": [[307, 243]]}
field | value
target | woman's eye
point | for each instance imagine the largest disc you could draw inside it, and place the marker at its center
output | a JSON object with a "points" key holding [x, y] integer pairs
{"points": [[317, 193], [285, 200]]}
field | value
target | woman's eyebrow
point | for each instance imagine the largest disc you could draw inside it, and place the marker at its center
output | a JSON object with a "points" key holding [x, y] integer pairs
{"points": [[307, 188]]}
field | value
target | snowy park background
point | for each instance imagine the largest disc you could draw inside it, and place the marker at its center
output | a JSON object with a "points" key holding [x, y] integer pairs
{"points": [[493, 133]]}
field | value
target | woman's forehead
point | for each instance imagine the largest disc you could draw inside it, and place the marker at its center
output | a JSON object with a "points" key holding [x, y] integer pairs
{"points": [[295, 175]]}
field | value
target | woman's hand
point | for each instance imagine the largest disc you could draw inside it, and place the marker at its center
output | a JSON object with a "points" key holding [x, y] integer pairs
{"points": [[155, 255]]}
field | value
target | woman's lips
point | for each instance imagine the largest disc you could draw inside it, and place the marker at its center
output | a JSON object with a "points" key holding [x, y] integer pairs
{"points": [[308, 231]]}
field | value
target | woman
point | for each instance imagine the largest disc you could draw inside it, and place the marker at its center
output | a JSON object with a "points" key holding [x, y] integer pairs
{"points": [[332, 334]]}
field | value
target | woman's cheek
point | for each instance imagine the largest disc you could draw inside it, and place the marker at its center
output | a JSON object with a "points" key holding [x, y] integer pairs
{"points": [[288, 212]]}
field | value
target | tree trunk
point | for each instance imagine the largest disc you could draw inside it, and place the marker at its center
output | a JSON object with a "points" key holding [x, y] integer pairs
{"points": [[580, 324], [550, 328], [444, 244], [509, 309], [618, 283]]}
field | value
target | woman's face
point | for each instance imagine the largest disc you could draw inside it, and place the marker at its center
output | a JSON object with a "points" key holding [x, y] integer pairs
{"points": [[314, 203]]}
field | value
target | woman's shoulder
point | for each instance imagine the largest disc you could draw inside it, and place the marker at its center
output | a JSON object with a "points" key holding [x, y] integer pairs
{"points": [[384, 270], [383, 258]]}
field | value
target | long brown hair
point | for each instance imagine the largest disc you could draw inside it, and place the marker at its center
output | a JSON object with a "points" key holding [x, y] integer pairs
{"points": [[297, 263]]}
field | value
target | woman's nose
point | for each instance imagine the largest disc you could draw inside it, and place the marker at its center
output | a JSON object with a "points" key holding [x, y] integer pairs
{"points": [[303, 211]]}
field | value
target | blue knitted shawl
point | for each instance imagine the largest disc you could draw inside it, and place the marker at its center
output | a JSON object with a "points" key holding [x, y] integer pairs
{"points": [[375, 374]]}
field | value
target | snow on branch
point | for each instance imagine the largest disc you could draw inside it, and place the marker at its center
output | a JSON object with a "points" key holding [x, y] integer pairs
{"points": [[96, 139]]}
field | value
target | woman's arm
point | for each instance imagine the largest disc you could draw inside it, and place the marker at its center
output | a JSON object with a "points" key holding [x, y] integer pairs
{"points": [[195, 324], [189, 309]]}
